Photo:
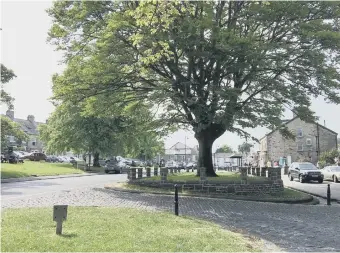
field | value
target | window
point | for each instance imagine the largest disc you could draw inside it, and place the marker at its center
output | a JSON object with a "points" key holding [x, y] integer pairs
{"points": [[33, 143], [308, 141], [11, 138], [299, 132], [300, 147]]}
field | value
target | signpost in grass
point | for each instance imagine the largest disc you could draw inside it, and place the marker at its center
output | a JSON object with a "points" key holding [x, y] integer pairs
{"points": [[59, 215]]}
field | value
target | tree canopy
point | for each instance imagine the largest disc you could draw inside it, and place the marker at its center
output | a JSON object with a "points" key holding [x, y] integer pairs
{"points": [[214, 66], [11, 128], [224, 149], [68, 129], [245, 147], [6, 76]]}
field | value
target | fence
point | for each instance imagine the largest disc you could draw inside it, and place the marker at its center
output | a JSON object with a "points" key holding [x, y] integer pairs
{"points": [[245, 186]]}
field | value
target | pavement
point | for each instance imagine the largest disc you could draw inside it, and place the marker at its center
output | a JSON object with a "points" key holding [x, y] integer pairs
{"points": [[315, 188], [293, 228]]}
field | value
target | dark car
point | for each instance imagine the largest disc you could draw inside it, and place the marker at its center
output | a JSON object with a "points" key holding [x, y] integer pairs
{"points": [[113, 166], [37, 156], [305, 172], [52, 159]]}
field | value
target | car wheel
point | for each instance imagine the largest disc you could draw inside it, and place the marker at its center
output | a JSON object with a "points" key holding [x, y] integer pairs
{"points": [[335, 179], [301, 179], [290, 177], [320, 181]]}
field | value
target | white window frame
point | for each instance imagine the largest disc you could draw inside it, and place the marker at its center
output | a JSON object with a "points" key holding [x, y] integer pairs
{"points": [[297, 132], [300, 144], [309, 141]]}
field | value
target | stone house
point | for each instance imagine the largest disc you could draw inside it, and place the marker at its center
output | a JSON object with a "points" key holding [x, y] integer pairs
{"points": [[30, 127], [181, 153], [311, 139]]}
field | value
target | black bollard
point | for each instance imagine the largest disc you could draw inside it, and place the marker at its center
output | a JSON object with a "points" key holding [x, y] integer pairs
{"points": [[176, 199], [328, 195]]}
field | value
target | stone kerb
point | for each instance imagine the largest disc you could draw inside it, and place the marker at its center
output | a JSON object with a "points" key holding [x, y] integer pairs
{"points": [[164, 175], [132, 173], [148, 172]]}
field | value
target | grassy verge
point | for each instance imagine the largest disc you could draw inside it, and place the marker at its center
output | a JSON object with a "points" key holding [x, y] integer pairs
{"points": [[29, 168], [288, 195], [222, 177], [91, 229]]}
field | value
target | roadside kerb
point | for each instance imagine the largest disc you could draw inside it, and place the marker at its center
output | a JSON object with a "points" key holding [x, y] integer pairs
{"points": [[24, 179], [215, 196], [313, 194]]}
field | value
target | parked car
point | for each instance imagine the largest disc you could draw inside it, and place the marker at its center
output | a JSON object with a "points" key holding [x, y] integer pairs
{"points": [[305, 172], [169, 164], [115, 166], [52, 159], [37, 156], [3, 158], [331, 173]]}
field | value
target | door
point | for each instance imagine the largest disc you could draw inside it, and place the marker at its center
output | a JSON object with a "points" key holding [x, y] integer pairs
{"points": [[327, 173]]}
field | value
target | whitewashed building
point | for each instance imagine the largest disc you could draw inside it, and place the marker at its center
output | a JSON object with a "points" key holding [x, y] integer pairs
{"points": [[181, 153]]}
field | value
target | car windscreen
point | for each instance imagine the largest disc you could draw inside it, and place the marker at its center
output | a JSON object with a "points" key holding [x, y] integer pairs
{"points": [[335, 169], [307, 167]]}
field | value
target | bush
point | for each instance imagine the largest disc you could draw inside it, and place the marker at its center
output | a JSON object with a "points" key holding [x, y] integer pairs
{"points": [[328, 158]]}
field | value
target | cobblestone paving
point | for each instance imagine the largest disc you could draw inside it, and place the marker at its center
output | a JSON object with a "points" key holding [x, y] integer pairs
{"points": [[292, 227]]}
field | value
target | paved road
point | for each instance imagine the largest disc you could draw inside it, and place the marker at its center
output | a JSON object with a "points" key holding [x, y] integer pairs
{"points": [[291, 227], [315, 187], [28, 189]]}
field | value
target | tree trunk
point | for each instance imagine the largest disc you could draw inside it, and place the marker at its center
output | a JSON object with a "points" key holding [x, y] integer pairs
{"points": [[205, 140], [96, 159]]}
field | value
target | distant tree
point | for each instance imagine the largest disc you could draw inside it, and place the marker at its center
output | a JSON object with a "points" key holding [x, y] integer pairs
{"points": [[244, 148], [6, 76], [224, 149], [328, 157], [10, 128]]}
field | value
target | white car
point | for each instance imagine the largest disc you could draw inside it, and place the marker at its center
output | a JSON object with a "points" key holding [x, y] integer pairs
{"points": [[169, 164], [331, 173]]}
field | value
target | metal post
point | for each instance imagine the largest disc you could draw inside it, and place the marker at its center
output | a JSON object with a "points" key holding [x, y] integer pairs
{"points": [[185, 149], [176, 199], [59, 228], [328, 195]]}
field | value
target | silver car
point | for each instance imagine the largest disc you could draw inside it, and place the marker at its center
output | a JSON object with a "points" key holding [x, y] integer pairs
{"points": [[331, 173]]}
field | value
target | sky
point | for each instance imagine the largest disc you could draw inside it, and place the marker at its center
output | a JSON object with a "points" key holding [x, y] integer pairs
{"points": [[24, 49]]}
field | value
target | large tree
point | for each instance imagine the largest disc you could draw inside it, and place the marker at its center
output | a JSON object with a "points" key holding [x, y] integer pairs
{"points": [[68, 128], [214, 66]]}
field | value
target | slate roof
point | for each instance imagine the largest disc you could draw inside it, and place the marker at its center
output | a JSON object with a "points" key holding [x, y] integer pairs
{"points": [[285, 122], [28, 127]]}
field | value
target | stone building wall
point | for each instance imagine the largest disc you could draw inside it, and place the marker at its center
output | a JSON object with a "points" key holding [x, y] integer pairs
{"points": [[304, 147]]}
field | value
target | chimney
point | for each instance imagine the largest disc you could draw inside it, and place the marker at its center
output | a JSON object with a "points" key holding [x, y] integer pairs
{"points": [[30, 118], [10, 114]]}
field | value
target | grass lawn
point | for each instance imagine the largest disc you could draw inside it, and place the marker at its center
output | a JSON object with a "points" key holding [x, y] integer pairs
{"points": [[222, 177], [286, 195], [94, 229], [29, 168]]}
